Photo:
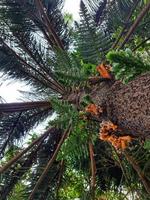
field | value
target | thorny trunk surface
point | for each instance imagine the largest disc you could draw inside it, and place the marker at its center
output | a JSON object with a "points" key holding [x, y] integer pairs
{"points": [[128, 106]]}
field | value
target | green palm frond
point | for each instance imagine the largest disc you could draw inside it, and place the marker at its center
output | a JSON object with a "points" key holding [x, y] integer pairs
{"points": [[127, 66], [14, 14], [96, 8], [75, 149], [92, 42], [22, 47], [68, 69], [122, 20], [20, 16], [119, 12], [64, 113], [16, 66]]}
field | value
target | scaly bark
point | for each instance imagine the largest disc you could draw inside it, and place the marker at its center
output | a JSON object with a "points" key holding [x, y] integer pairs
{"points": [[127, 106]]}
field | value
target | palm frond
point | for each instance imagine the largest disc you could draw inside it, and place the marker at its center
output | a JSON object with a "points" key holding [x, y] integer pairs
{"points": [[120, 17], [117, 14], [32, 14], [68, 69], [126, 23], [16, 66], [18, 118], [44, 155], [139, 18], [12, 161], [17, 174], [92, 43], [51, 161], [96, 9], [22, 42], [31, 164]]}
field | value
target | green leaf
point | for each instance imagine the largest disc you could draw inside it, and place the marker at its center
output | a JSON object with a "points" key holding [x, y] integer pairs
{"points": [[147, 144]]}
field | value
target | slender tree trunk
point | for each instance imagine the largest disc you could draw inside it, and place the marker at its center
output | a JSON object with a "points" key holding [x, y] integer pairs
{"points": [[59, 180], [93, 169]]}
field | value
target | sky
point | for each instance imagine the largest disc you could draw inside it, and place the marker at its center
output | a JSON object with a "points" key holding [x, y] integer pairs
{"points": [[9, 91], [72, 6]]}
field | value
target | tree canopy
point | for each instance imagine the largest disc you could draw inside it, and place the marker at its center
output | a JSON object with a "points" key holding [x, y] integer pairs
{"points": [[90, 80]]}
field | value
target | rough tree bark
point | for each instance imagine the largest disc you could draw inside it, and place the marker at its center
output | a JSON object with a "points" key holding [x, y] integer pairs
{"points": [[128, 105]]}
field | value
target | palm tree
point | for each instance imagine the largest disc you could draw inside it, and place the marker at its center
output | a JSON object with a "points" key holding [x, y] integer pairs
{"points": [[59, 63]]}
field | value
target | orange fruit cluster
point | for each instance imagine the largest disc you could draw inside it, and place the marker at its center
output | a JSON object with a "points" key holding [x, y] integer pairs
{"points": [[104, 70], [93, 109], [119, 142]]}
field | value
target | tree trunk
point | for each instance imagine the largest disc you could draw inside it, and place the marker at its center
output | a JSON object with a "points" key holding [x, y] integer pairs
{"points": [[128, 106]]}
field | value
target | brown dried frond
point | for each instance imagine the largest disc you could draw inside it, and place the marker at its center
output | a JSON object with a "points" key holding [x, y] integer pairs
{"points": [[93, 109], [104, 70], [107, 134]]}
